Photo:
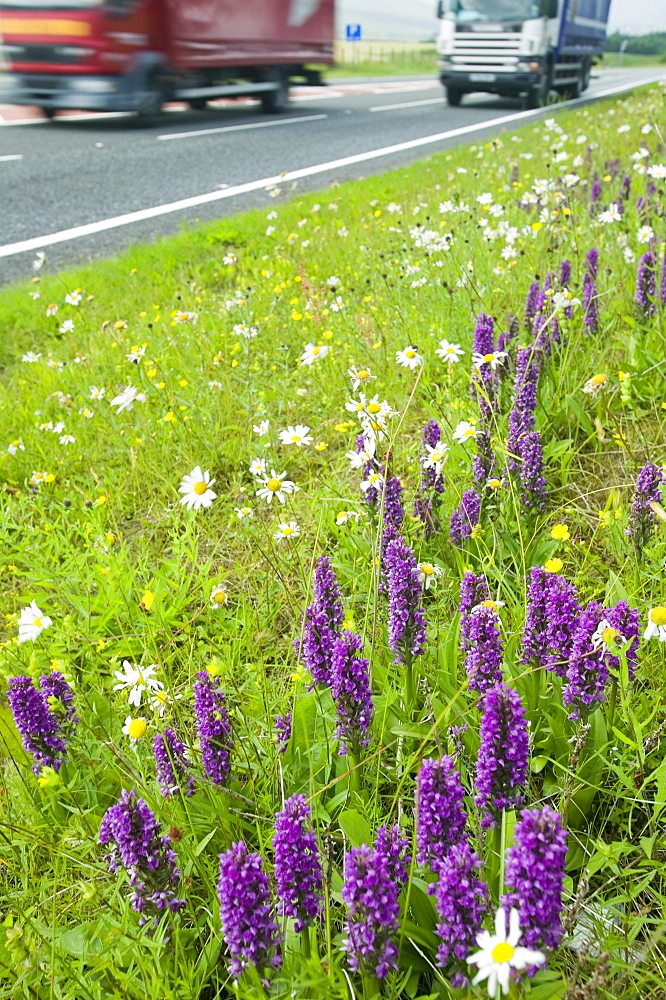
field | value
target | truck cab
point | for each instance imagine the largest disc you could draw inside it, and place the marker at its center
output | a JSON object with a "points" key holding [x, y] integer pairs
{"points": [[134, 55], [517, 48]]}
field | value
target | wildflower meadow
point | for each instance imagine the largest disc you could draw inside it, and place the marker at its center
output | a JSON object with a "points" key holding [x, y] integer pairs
{"points": [[334, 623]]}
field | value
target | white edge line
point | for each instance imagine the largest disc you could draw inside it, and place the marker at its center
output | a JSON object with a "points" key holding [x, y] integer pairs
{"points": [[407, 104], [238, 128], [11, 156], [76, 232]]}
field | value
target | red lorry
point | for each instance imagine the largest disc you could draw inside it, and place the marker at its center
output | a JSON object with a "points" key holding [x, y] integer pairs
{"points": [[135, 55]]}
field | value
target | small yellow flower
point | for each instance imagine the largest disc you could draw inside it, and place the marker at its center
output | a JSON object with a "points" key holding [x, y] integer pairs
{"points": [[214, 669], [147, 600], [560, 532], [322, 446], [553, 565]]}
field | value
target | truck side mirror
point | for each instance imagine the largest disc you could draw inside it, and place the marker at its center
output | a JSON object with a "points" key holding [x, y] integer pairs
{"points": [[549, 8]]}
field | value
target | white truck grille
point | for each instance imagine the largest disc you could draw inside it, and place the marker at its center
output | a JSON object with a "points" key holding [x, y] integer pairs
{"points": [[493, 50]]}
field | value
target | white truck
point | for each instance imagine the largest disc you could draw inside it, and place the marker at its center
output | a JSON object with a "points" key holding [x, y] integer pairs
{"points": [[519, 47]]}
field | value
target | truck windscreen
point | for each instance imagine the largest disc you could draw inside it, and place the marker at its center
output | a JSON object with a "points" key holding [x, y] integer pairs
{"points": [[468, 11]]}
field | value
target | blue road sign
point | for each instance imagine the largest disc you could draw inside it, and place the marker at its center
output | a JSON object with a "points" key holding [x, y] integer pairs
{"points": [[353, 33]]}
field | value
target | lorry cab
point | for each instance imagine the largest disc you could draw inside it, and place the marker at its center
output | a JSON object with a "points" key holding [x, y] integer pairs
{"points": [[82, 54], [134, 55], [519, 47]]}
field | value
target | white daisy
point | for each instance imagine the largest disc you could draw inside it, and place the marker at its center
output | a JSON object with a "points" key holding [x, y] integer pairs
{"points": [[30, 357], [138, 680], [73, 298], [136, 354], [606, 636], [373, 482], [311, 352], [357, 459], [261, 429], [464, 431], [96, 392], [32, 623], [656, 624], [258, 467], [345, 515], [449, 352], [360, 376], [276, 486], [242, 330], [286, 529], [427, 574], [15, 445], [127, 398], [298, 435], [160, 700], [196, 487], [242, 512], [500, 953], [435, 457], [219, 595], [409, 358], [134, 728], [492, 359]]}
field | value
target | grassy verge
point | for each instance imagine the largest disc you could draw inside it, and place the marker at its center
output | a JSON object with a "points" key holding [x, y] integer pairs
{"points": [[260, 348]]}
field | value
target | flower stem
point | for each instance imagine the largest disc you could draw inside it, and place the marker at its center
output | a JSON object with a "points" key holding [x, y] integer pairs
{"points": [[354, 773], [371, 987], [410, 690], [306, 949]]}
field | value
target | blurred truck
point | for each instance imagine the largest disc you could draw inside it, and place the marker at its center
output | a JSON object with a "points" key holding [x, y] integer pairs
{"points": [[519, 47], [135, 55]]}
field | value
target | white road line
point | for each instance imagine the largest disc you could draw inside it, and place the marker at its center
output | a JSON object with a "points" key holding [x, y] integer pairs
{"points": [[407, 104], [238, 128], [76, 232], [11, 156], [323, 95]]}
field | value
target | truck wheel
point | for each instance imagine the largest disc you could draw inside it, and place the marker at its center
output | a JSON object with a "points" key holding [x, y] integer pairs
{"points": [[275, 101], [150, 107], [537, 97], [586, 69], [454, 96], [48, 113], [198, 103]]}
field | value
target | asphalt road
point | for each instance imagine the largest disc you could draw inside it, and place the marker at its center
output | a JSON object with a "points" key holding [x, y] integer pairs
{"points": [[85, 187]]}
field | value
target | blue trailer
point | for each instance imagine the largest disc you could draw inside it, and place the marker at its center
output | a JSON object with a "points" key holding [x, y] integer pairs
{"points": [[519, 47]]}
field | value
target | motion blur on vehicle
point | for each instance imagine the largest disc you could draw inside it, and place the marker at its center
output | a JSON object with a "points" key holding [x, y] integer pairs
{"points": [[135, 55], [519, 47]]}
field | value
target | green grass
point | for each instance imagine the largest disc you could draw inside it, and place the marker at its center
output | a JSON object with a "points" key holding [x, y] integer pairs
{"points": [[99, 540]]}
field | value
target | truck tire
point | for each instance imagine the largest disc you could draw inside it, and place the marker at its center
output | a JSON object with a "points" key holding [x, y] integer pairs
{"points": [[198, 103], [275, 101], [454, 96], [48, 113], [537, 97], [150, 108], [585, 73]]}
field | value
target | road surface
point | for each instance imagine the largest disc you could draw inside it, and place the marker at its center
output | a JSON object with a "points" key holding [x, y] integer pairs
{"points": [[86, 186]]}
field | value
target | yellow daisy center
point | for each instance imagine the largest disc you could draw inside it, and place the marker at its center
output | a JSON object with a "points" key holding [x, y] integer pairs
{"points": [[609, 635], [364, 373], [494, 483], [450, 350], [598, 379], [658, 616], [489, 604], [410, 354], [315, 350], [296, 437], [427, 569], [37, 623], [502, 952], [162, 697], [273, 485], [200, 488], [488, 357], [137, 728], [287, 531], [374, 407], [469, 432], [220, 597]]}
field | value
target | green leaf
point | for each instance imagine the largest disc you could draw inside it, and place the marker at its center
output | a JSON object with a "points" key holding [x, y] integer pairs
{"points": [[355, 827], [202, 843]]}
